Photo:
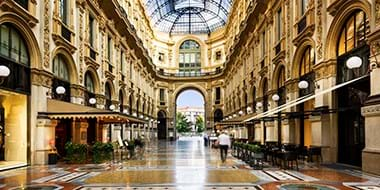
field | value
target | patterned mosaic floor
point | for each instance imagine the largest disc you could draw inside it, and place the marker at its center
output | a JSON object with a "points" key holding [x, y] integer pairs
{"points": [[185, 164]]}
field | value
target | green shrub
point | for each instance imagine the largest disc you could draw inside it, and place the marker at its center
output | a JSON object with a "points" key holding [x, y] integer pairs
{"points": [[76, 153], [102, 152], [255, 148]]}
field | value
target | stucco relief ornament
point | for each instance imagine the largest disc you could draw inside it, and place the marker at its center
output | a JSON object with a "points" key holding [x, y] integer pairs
{"points": [[46, 33], [377, 9], [319, 30]]}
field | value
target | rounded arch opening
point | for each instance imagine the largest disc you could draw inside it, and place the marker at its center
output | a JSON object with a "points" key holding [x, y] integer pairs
{"points": [[190, 111]]}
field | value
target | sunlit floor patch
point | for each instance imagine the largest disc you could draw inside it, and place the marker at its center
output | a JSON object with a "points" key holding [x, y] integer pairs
{"points": [[194, 176], [171, 187]]}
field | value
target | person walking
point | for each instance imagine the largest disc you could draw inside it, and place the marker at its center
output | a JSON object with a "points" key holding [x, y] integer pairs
{"points": [[224, 143], [205, 139]]}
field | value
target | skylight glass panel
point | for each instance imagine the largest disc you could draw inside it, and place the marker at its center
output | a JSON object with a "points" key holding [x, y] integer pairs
{"points": [[188, 16]]}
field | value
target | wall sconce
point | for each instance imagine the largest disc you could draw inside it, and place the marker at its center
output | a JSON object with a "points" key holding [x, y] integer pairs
{"points": [[4, 72], [234, 115], [134, 114], [303, 84], [249, 109], [92, 101], [126, 112], [275, 97], [112, 107], [141, 116], [259, 104], [230, 117], [60, 90], [354, 62], [241, 112]]}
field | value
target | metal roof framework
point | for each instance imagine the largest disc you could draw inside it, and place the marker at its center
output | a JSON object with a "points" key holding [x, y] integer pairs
{"points": [[188, 16]]}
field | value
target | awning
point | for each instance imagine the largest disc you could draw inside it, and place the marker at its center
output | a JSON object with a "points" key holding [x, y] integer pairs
{"points": [[64, 110], [300, 100]]}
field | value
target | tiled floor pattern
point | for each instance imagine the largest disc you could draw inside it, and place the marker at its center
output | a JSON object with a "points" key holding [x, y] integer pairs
{"points": [[183, 165]]}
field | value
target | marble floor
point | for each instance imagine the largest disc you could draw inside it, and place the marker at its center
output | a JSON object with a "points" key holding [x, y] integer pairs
{"points": [[184, 164]]}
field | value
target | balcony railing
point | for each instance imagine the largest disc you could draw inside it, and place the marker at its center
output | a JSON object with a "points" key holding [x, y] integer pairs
{"points": [[189, 74]]}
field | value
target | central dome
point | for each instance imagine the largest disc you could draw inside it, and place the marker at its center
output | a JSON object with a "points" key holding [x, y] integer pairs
{"points": [[188, 16]]}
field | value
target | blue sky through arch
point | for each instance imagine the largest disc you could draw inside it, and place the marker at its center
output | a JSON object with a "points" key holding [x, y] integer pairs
{"points": [[191, 98]]}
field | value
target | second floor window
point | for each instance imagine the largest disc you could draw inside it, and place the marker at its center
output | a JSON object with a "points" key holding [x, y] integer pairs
{"points": [[63, 10], [189, 57], [162, 95], [91, 24], [109, 50], [23, 3], [279, 25], [263, 47], [304, 4]]}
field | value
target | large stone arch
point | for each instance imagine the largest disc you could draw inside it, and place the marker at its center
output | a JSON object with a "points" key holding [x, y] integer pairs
{"points": [[304, 44], [23, 27], [185, 87], [73, 72], [336, 25]]}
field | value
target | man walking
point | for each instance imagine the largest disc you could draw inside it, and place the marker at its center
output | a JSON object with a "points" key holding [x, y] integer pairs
{"points": [[224, 143]]}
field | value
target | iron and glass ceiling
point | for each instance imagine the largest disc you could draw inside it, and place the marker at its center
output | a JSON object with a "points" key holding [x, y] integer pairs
{"points": [[188, 16]]}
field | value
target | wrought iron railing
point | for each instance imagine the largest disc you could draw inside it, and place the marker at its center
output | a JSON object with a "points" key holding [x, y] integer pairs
{"points": [[189, 74]]}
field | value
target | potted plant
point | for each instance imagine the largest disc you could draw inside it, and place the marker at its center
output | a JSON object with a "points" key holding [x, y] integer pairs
{"points": [[76, 153], [102, 152]]}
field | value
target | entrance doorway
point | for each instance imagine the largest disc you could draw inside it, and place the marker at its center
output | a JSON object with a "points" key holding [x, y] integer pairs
{"points": [[161, 125], [63, 134], [351, 128]]}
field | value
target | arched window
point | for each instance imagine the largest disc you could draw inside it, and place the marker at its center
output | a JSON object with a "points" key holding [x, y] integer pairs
{"points": [[13, 45], [61, 78], [306, 70], [89, 82], [60, 68], [90, 87], [130, 104], [281, 77], [307, 61], [254, 98], [354, 32], [190, 58], [14, 55], [121, 101], [265, 95], [281, 86], [107, 93]]}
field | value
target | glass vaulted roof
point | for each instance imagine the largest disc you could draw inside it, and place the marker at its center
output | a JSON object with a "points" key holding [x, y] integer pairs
{"points": [[188, 16]]}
